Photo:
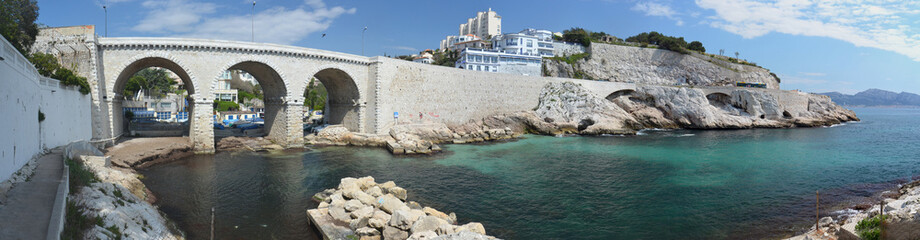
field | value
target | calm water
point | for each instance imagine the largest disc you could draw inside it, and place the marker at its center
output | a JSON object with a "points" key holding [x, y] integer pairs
{"points": [[661, 185]]}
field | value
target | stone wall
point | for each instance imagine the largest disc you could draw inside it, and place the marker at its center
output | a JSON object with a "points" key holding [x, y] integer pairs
{"points": [[655, 66], [24, 94], [567, 49]]}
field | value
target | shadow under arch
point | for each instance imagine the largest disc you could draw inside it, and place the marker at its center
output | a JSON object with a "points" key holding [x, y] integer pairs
{"points": [[137, 65], [620, 93], [343, 102], [274, 91]]}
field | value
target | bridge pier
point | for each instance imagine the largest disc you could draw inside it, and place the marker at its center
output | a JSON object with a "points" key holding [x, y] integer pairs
{"points": [[201, 127], [293, 124]]}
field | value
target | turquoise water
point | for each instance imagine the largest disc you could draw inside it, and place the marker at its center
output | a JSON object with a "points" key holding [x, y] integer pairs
{"points": [[680, 184]]}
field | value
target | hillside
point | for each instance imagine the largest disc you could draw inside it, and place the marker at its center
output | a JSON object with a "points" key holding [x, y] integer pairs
{"points": [[617, 63], [875, 97]]}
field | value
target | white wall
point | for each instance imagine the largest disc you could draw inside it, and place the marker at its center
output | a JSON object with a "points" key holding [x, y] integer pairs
{"points": [[22, 94]]}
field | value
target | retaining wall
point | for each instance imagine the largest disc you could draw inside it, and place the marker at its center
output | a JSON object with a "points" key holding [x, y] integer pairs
{"points": [[23, 93]]}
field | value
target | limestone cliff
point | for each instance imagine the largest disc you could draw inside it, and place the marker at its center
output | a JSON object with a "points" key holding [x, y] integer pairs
{"points": [[568, 104], [655, 66]]}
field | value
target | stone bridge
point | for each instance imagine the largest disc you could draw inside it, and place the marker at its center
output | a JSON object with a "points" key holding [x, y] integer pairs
{"points": [[366, 94]]}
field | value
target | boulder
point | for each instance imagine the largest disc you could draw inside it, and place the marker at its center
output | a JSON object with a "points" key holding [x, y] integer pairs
{"points": [[376, 223], [358, 223], [426, 223], [414, 205], [389, 203], [446, 229], [435, 213], [348, 183], [367, 233], [392, 233], [339, 214], [366, 182], [398, 192], [427, 235], [403, 219], [374, 191], [386, 186], [364, 198], [336, 199], [472, 227], [352, 205], [366, 211], [465, 235]]}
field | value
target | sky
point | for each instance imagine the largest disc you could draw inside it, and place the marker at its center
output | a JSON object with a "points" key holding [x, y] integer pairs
{"points": [[812, 45]]}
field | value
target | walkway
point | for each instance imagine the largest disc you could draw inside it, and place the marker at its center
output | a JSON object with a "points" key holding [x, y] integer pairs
{"points": [[27, 211]]}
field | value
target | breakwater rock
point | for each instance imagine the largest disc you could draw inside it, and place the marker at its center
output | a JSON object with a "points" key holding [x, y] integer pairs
{"points": [[360, 208]]}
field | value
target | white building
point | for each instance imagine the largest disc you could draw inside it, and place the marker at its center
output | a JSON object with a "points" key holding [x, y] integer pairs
{"points": [[487, 60], [425, 57], [224, 91], [526, 42], [485, 24]]}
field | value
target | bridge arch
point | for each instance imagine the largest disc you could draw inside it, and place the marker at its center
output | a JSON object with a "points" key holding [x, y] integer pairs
{"points": [[138, 63], [274, 88], [344, 100], [620, 93]]}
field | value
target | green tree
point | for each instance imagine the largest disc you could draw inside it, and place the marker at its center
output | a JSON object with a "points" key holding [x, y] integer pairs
{"points": [[17, 23], [577, 35], [154, 81], [696, 46], [315, 96], [46, 64]]}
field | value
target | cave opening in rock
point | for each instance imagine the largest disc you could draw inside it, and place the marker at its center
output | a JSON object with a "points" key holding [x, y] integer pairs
{"points": [[585, 123], [787, 115]]}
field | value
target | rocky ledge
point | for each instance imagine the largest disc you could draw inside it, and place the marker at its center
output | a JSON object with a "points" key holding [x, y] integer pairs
{"points": [[569, 108], [363, 209], [901, 211]]}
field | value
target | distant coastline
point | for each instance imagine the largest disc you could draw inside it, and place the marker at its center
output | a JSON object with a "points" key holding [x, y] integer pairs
{"points": [[876, 98]]}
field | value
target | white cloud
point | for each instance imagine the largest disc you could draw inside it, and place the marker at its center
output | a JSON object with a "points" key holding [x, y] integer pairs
{"points": [[277, 25], [865, 23], [658, 10]]}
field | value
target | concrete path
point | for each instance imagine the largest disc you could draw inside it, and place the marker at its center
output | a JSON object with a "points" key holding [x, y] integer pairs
{"points": [[27, 211]]}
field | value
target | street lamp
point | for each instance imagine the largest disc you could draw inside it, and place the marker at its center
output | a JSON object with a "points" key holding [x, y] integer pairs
{"points": [[104, 9], [252, 12], [362, 40]]}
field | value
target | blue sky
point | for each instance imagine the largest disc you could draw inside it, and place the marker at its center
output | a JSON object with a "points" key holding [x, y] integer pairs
{"points": [[814, 46]]}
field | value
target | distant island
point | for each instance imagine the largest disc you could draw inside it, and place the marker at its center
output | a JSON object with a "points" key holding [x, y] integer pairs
{"points": [[875, 98]]}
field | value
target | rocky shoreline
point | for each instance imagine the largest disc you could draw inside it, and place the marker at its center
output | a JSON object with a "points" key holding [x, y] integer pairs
{"points": [[569, 108], [901, 210], [115, 199], [363, 209]]}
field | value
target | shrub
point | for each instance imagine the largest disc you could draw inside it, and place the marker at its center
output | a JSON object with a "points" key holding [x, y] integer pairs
{"points": [[696, 46], [870, 228], [221, 106], [41, 116], [47, 66], [577, 35], [76, 222], [79, 175]]}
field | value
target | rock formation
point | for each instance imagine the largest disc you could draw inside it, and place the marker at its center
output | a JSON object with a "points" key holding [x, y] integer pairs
{"points": [[363, 209], [656, 66]]}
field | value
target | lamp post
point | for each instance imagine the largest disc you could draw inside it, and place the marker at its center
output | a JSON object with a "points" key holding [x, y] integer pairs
{"points": [[253, 13], [104, 9], [362, 40]]}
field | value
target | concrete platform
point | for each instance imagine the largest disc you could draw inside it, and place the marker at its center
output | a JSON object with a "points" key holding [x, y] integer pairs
{"points": [[329, 228]]}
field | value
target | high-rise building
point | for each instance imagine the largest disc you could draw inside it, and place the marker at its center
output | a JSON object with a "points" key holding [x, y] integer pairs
{"points": [[485, 24]]}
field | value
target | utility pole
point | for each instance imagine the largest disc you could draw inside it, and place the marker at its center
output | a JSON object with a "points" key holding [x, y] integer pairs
{"points": [[104, 9], [362, 40], [253, 13]]}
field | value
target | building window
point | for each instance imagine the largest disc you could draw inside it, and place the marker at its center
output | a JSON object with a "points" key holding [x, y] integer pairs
{"points": [[529, 43]]}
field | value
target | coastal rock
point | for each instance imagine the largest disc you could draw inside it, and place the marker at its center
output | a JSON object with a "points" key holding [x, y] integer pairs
{"points": [[398, 192], [392, 233], [358, 223], [352, 205], [386, 186], [364, 198], [445, 229], [464, 236], [376, 223], [339, 214], [414, 205], [366, 182], [367, 233], [427, 235], [426, 223], [374, 191], [435, 213], [389, 203], [403, 219], [366, 211], [472, 227]]}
